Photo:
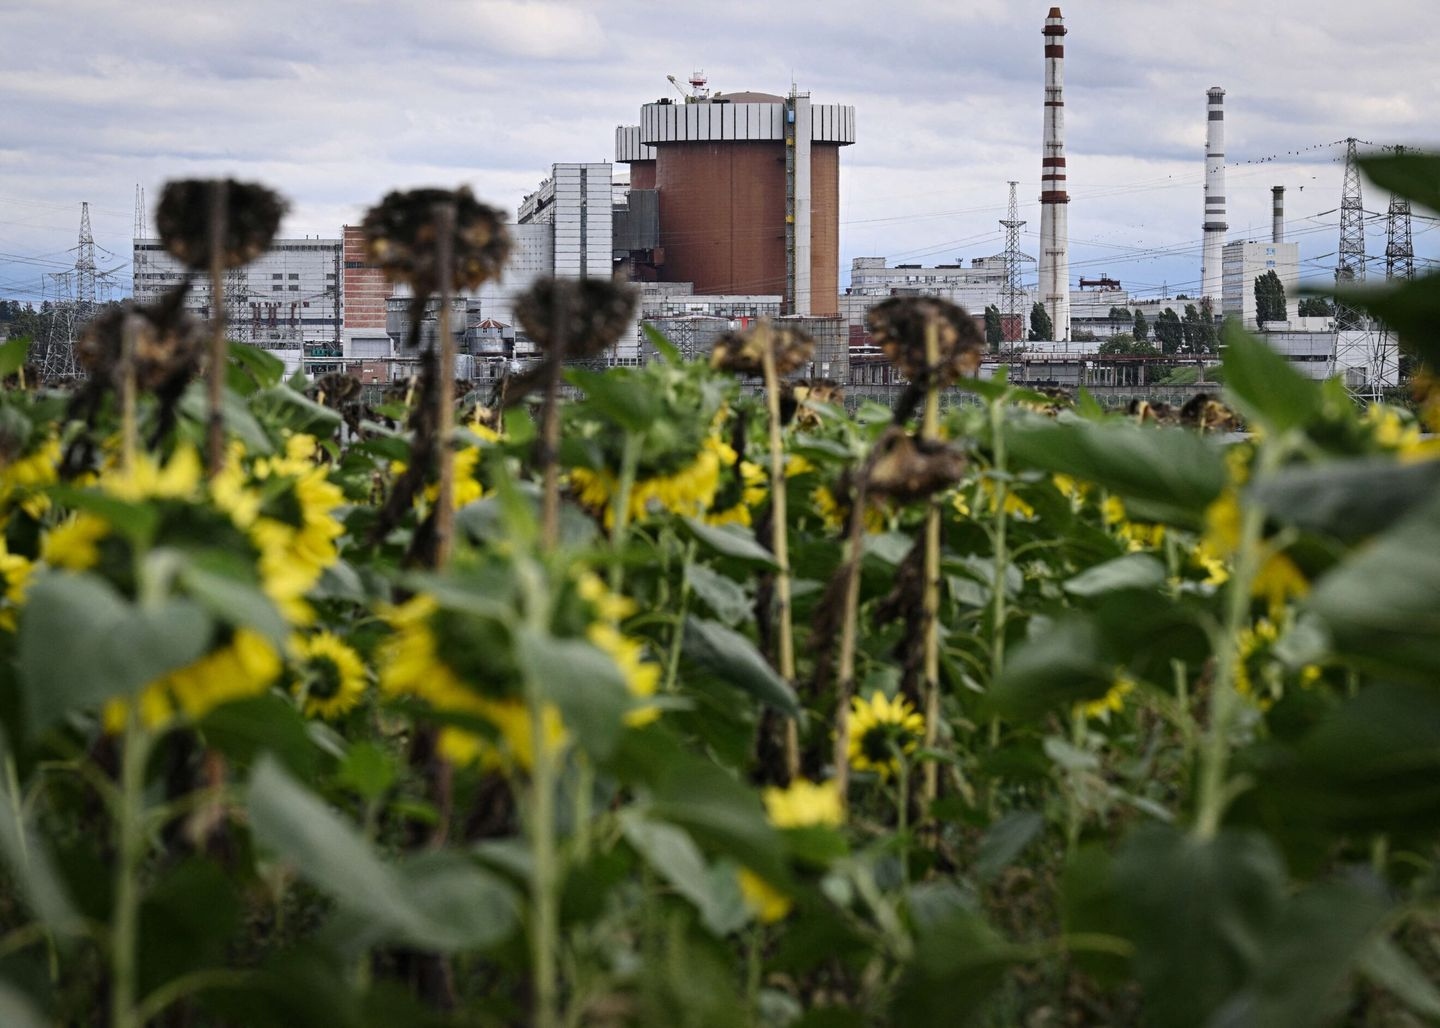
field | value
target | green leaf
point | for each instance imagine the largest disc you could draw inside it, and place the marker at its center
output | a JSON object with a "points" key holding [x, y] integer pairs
{"points": [[1162, 474], [18, 1010], [440, 901], [31, 869], [214, 580], [195, 406], [1303, 979], [1006, 840], [296, 411], [137, 521], [731, 657], [1388, 966], [673, 855], [368, 769], [81, 643], [583, 682], [262, 365], [1089, 905], [1264, 385], [245, 729], [959, 961], [620, 397], [1199, 912], [668, 350], [12, 356], [1062, 664], [1382, 603], [726, 597], [1348, 499], [1132, 571], [1415, 176], [732, 541]]}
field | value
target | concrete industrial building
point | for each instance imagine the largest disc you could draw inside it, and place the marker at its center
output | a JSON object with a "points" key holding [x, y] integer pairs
{"points": [[1245, 261], [1211, 261], [747, 193], [288, 298]]}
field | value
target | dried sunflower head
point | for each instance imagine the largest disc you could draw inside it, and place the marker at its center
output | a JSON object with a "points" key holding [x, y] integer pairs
{"points": [[796, 396], [1058, 399], [899, 324], [905, 468], [743, 353], [402, 234], [252, 217], [336, 389], [573, 318], [1205, 412], [1159, 412], [168, 342]]}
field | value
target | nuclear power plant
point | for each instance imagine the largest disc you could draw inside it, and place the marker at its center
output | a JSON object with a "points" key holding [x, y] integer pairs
{"points": [[747, 192]]}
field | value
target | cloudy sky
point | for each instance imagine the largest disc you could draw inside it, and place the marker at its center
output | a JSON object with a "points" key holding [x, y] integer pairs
{"points": [[333, 102]]}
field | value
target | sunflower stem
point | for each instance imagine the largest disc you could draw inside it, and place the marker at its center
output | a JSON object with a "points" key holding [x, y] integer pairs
{"points": [[780, 544], [620, 514], [445, 394], [930, 602], [677, 639], [999, 613], [215, 381], [130, 821], [129, 432], [845, 678], [550, 444], [1214, 795]]}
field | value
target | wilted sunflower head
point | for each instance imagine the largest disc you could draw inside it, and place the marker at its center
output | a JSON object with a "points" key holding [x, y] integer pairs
{"points": [[168, 342], [796, 397], [899, 325], [252, 216], [743, 353], [574, 318], [1205, 412], [402, 234], [337, 389], [1057, 398], [906, 468]]}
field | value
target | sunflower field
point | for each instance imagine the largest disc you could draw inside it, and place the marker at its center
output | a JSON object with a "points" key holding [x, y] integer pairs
{"points": [[682, 694]]}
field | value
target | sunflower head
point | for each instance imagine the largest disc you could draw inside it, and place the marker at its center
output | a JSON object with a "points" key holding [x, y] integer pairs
{"points": [[796, 397], [743, 353], [168, 342], [900, 325], [251, 214], [575, 318], [403, 233], [328, 674], [906, 468], [882, 730]]}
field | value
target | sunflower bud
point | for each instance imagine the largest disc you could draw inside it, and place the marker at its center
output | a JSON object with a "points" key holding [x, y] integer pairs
{"points": [[905, 468], [743, 353], [402, 234], [575, 318], [183, 219], [899, 325]]}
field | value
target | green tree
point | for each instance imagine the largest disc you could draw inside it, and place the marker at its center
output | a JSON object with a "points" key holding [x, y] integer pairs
{"points": [[1126, 345], [1041, 327], [1168, 331], [1269, 298], [1142, 327], [994, 327], [1316, 307]]}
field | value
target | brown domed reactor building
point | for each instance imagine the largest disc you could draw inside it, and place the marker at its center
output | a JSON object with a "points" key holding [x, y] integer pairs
{"points": [[747, 187]]}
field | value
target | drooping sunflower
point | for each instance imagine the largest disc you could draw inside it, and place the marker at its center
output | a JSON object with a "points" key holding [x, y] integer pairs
{"points": [[882, 730], [329, 674]]}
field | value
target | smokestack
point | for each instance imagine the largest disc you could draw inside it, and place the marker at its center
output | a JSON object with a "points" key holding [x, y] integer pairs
{"points": [[1277, 214], [1054, 221], [1214, 197]]}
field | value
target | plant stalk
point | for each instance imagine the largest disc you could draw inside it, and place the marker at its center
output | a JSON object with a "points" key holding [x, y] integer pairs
{"points": [[620, 513], [930, 602], [129, 430], [780, 545], [845, 676], [219, 349], [130, 822], [999, 611], [445, 394]]}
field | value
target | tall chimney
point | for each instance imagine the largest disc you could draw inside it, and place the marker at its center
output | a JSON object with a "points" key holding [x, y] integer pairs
{"points": [[1214, 197], [1054, 221], [1277, 214]]}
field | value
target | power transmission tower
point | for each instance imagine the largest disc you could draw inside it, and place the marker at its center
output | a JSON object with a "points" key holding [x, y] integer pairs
{"points": [[139, 229], [58, 304], [1355, 345], [1013, 297], [1399, 252]]}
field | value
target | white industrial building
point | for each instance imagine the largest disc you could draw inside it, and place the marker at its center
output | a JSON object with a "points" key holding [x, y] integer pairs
{"points": [[288, 298], [1244, 262]]}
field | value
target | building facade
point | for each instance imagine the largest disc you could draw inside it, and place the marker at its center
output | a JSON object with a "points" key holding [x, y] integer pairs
{"points": [[1243, 262]]}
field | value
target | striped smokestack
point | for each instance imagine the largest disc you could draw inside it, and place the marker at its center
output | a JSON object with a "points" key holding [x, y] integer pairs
{"points": [[1214, 196], [1054, 227], [1277, 214]]}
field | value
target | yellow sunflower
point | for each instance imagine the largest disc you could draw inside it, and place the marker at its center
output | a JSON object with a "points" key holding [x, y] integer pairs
{"points": [[1111, 703], [15, 572], [688, 491], [804, 804], [881, 730], [242, 667], [22, 478], [74, 544], [331, 675]]}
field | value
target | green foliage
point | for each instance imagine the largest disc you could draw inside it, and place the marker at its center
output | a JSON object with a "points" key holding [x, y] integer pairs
{"points": [[1041, 326], [1269, 298]]}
